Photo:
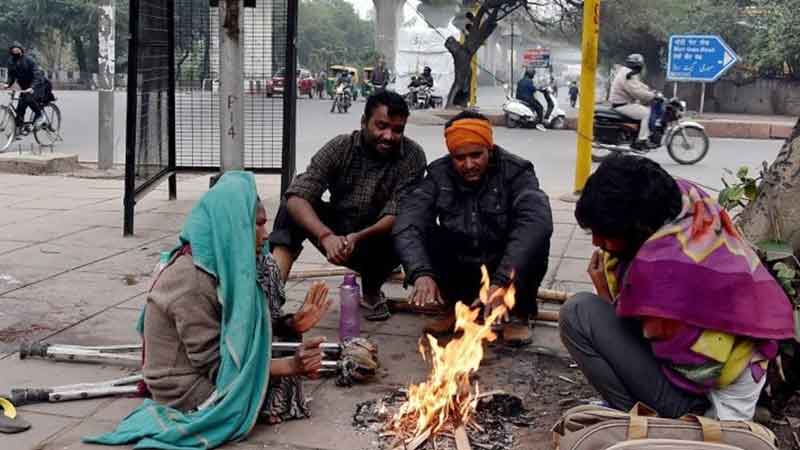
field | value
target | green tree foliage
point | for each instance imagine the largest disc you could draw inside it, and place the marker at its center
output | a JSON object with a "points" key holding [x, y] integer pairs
{"points": [[331, 32], [762, 32], [51, 28], [775, 47]]}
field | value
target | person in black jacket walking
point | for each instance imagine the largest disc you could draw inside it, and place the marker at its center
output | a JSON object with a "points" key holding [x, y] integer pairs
{"points": [[31, 80], [480, 205]]}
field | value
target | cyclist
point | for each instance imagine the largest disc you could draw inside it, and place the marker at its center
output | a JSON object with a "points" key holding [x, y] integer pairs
{"points": [[34, 86]]}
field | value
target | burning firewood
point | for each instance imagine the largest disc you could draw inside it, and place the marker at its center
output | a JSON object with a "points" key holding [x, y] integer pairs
{"points": [[447, 399]]}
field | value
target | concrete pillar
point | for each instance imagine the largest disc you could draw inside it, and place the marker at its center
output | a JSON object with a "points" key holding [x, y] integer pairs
{"points": [[231, 84], [388, 17], [105, 84]]}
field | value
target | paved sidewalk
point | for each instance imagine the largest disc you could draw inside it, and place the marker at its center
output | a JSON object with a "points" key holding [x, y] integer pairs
{"points": [[68, 276]]}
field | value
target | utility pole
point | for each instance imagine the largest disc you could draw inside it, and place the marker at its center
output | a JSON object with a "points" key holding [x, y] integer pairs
{"points": [[590, 36], [105, 84], [231, 84], [511, 74]]}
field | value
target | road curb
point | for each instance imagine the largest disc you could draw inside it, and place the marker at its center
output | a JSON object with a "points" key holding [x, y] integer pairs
{"points": [[38, 164]]}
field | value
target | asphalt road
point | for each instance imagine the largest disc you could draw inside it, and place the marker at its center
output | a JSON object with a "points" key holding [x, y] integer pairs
{"points": [[552, 152]]}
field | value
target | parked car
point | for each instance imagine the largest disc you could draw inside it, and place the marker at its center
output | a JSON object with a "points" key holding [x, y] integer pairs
{"points": [[252, 86], [305, 82]]}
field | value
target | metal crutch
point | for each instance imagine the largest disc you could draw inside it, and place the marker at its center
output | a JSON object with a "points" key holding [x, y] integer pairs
{"points": [[120, 386], [132, 353]]}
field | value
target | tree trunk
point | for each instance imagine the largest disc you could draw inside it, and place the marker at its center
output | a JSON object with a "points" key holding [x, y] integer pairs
{"points": [[775, 213], [80, 57], [462, 61]]}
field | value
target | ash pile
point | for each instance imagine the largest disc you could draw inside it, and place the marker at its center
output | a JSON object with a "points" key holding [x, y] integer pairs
{"points": [[494, 420]]}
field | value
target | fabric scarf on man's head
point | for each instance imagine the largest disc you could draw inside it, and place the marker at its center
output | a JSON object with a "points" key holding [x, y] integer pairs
{"points": [[469, 132], [700, 271], [221, 231]]}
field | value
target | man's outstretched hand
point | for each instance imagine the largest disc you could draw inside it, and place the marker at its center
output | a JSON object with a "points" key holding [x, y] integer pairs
{"points": [[426, 292], [314, 308]]}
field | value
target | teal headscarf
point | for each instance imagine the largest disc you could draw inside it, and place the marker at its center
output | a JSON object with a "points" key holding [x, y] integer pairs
{"points": [[221, 231]]}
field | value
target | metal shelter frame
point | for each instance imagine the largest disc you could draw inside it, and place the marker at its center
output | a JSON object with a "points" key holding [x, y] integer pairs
{"points": [[160, 146]]}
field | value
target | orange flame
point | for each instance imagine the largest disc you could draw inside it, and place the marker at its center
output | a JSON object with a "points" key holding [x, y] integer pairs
{"points": [[447, 396]]}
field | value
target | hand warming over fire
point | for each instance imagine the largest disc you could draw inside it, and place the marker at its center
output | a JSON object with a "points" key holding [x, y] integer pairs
{"points": [[314, 308], [426, 292], [496, 301]]}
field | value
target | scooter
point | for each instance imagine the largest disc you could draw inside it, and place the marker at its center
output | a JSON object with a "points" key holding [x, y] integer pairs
{"points": [[615, 133], [519, 113]]}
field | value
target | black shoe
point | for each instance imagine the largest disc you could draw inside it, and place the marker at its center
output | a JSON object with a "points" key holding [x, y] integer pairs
{"points": [[643, 145]]}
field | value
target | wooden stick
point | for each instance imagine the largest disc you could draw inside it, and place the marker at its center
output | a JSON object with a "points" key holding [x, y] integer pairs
{"points": [[416, 442], [462, 440], [403, 305]]}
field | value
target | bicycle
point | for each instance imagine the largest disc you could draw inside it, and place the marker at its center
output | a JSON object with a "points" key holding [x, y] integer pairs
{"points": [[46, 133]]}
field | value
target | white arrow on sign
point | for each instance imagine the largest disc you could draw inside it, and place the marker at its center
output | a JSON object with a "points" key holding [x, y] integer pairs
{"points": [[727, 58]]}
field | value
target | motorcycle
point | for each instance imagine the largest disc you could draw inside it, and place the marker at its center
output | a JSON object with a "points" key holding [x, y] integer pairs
{"points": [[342, 99], [519, 113], [420, 97], [614, 133]]}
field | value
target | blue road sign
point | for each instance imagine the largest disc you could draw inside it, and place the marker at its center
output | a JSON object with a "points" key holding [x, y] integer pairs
{"points": [[698, 58]]}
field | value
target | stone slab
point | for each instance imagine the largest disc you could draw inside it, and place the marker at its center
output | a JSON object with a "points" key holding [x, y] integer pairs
{"points": [[41, 229], [43, 427], [58, 256], [580, 248], [116, 326], [70, 439], [9, 246], [91, 292], [14, 274], [573, 269], [38, 163], [31, 320]]}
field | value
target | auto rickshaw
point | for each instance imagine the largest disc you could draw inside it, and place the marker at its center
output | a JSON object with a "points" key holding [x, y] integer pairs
{"points": [[366, 84], [333, 74]]}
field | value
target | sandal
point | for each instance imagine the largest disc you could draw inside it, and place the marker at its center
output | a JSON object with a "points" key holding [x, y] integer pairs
{"points": [[377, 311]]}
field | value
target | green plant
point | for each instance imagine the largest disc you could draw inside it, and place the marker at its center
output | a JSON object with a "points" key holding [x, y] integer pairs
{"points": [[741, 192], [777, 255]]}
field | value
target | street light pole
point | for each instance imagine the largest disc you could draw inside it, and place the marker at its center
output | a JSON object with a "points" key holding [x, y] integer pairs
{"points": [[590, 36], [511, 74], [231, 84]]}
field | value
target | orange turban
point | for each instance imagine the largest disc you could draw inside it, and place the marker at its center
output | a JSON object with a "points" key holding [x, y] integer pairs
{"points": [[469, 131]]}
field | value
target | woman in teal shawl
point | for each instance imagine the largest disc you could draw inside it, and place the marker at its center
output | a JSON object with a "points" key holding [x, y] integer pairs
{"points": [[207, 331]]}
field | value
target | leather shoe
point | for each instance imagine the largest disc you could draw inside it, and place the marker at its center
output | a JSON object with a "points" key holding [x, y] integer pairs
{"points": [[516, 333], [441, 326]]}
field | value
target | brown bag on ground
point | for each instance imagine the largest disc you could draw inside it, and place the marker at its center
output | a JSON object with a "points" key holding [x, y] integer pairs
{"points": [[670, 444], [598, 428]]}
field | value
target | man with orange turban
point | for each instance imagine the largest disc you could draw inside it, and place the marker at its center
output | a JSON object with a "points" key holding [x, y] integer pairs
{"points": [[479, 205]]}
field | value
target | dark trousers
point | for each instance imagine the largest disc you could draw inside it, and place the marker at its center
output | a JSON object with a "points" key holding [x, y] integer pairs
{"points": [[373, 258], [25, 101], [618, 361], [460, 282]]}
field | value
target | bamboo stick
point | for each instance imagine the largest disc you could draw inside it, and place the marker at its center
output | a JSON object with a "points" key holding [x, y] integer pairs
{"points": [[543, 294]]}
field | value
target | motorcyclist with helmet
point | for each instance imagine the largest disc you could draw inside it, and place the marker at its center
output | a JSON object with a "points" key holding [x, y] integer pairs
{"points": [[526, 91], [418, 82], [631, 97]]}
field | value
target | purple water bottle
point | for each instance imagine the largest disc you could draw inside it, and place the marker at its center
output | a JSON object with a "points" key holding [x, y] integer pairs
{"points": [[349, 299]]}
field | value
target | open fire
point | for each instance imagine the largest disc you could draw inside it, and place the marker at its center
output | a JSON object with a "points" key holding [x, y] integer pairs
{"points": [[446, 401]]}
